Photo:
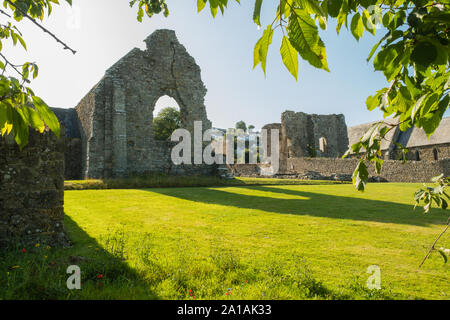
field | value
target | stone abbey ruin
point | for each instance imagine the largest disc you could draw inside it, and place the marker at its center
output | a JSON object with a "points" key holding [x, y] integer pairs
{"points": [[112, 126], [110, 134]]}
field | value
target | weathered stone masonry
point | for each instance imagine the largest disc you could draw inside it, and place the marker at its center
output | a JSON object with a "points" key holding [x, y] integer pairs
{"points": [[32, 191], [116, 117], [393, 170], [306, 135]]}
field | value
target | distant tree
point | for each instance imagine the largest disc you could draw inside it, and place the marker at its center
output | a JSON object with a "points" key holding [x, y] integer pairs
{"points": [[166, 122], [241, 125], [251, 127]]}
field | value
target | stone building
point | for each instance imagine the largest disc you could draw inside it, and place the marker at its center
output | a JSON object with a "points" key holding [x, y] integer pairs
{"points": [[112, 125], [313, 135], [437, 147], [310, 135]]}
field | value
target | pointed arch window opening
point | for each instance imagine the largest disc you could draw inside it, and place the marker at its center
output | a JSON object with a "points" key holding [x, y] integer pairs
{"points": [[162, 130]]}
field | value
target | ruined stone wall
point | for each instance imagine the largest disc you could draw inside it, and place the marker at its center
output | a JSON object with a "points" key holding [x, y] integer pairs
{"points": [[393, 171], [85, 111], [32, 191], [305, 135], [117, 115]]}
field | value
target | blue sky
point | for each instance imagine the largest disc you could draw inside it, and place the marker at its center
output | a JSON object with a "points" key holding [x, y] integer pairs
{"points": [[103, 31]]}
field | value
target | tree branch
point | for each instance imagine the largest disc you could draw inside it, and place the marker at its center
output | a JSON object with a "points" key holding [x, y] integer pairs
{"points": [[6, 14], [66, 47], [435, 241], [14, 66]]}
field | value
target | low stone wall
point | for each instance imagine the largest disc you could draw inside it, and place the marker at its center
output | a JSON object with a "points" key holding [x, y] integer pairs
{"points": [[245, 170], [393, 171], [32, 191]]}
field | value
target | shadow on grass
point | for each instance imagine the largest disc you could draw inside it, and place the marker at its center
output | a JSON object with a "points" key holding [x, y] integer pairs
{"points": [[40, 272], [315, 204]]}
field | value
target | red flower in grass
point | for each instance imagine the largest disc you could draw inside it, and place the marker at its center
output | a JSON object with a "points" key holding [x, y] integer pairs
{"points": [[24, 250], [100, 276]]}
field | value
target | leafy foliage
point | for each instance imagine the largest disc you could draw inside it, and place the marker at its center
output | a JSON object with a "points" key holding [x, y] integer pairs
{"points": [[20, 108], [150, 7], [414, 57], [437, 194], [166, 122]]}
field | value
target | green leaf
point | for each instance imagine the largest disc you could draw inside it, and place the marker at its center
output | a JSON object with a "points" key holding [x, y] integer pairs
{"points": [[341, 19], [257, 12], [266, 41], [334, 6], [32, 118], [397, 20], [360, 176], [444, 256], [256, 55], [367, 21], [214, 5], [372, 102], [386, 20], [47, 115], [304, 37], [378, 165], [424, 53], [356, 26], [290, 57], [20, 129], [375, 47], [201, 5]]}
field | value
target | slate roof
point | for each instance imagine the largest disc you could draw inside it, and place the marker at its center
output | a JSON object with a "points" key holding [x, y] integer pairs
{"points": [[356, 132], [414, 137]]}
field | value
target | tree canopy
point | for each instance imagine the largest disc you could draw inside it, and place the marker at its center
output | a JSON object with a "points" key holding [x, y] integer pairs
{"points": [[241, 125], [166, 122]]}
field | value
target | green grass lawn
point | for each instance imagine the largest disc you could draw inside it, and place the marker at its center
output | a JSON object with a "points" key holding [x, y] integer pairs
{"points": [[257, 242]]}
